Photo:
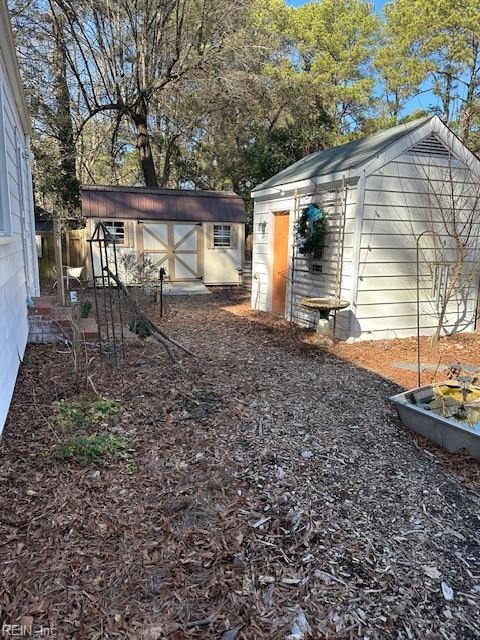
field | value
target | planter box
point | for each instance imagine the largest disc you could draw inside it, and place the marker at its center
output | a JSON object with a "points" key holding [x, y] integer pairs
{"points": [[446, 432]]}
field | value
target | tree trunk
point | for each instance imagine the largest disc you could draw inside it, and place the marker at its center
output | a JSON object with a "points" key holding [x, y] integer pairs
{"points": [[68, 185], [144, 150], [447, 96], [469, 99], [451, 289], [170, 150]]}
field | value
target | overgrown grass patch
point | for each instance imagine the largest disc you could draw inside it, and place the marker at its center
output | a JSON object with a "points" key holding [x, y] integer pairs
{"points": [[94, 449], [79, 438], [78, 416]]}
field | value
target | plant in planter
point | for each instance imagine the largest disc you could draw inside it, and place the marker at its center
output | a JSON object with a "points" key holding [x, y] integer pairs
{"points": [[311, 229]]}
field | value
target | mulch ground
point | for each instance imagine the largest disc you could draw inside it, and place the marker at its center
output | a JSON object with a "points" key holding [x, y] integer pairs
{"points": [[384, 356], [274, 494]]}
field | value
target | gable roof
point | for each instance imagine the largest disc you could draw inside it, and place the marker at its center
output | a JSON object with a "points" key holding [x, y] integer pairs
{"points": [[342, 158], [142, 203]]}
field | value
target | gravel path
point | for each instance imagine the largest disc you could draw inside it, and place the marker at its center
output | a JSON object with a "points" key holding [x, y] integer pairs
{"points": [[276, 496]]}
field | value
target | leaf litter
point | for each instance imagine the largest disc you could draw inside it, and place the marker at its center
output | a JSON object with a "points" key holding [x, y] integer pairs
{"points": [[224, 529]]}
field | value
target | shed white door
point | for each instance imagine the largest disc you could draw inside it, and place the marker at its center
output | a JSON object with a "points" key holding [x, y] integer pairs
{"points": [[174, 246]]}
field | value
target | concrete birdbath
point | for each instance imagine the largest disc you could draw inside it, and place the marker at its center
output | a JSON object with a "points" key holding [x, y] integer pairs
{"points": [[325, 307]]}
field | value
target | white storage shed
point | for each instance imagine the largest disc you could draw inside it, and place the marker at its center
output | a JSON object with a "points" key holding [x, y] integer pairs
{"points": [[379, 194], [193, 235]]}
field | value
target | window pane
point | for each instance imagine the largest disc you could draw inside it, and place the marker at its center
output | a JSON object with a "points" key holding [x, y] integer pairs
{"points": [[116, 230], [221, 235]]}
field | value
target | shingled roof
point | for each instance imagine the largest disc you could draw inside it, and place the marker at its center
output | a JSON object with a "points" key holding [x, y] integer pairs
{"points": [[141, 203], [342, 158]]}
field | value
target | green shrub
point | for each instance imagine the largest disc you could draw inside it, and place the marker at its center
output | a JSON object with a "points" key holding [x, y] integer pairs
{"points": [[76, 416], [96, 449], [141, 327], [71, 416], [102, 409]]}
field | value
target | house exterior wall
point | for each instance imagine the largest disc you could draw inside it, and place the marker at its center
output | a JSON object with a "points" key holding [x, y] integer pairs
{"points": [[338, 202], [18, 262], [399, 205], [222, 265], [216, 266], [262, 252]]}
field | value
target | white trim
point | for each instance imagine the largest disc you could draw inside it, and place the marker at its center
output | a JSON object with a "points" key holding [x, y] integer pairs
{"points": [[283, 192], [357, 243], [462, 152], [5, 211], [271, 223], [31, 215], [305, 187], [392, 151]]}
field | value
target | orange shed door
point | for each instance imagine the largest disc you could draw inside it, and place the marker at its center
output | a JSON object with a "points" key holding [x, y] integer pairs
{"points": [[280, 261]]}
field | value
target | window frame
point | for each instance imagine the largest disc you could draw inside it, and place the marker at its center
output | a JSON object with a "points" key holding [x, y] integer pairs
{"points": [[229, 236], [110, 224], [5, 211]]}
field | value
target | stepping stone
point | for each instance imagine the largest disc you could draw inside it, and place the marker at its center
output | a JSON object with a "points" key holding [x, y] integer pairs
{"points": [[62, 316], [42, 306], [89, 329]]}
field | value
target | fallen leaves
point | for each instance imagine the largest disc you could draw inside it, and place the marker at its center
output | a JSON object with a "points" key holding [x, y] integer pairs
{"points": [[225, 530]]}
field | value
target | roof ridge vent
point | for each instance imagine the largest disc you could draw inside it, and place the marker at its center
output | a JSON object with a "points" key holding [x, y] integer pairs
{"points": [[430, 146]]}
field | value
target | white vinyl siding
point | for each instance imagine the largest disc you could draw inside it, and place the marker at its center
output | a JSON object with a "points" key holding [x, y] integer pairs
{"points": [[397, 209], [18, 262], [308, 283]]}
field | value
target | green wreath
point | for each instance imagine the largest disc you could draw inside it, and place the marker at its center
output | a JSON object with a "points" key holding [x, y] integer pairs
{"points": [[311, 229]]}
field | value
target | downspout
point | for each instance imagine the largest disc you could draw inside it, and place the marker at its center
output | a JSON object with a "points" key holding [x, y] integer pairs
{"points": [[30, 159], [357, 243], [25, 233]]}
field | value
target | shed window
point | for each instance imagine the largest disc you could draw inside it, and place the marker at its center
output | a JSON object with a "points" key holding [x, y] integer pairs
{"points": [[222, 235], [116, 229]]}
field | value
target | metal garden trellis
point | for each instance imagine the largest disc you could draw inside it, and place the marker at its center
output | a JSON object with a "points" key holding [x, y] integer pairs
{"points": [[110, 337]]}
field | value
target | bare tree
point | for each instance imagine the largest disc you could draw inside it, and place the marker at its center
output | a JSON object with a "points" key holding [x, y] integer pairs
{"points": [[123, 53], [450, 252]]}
